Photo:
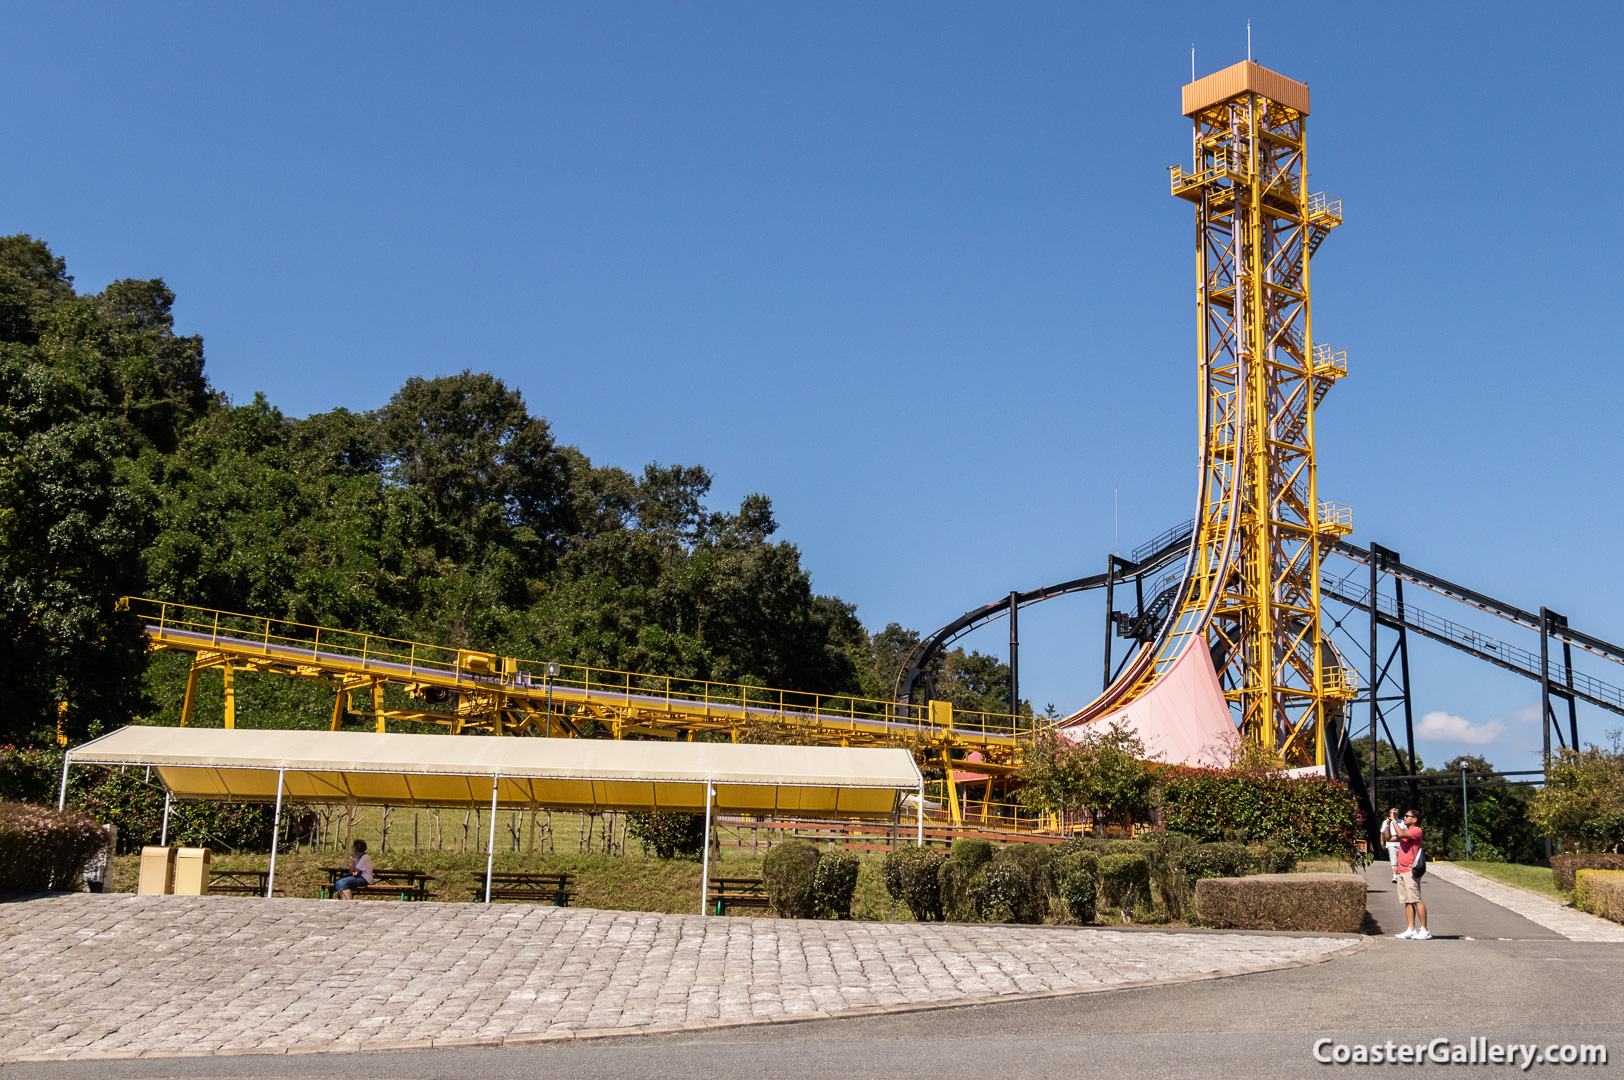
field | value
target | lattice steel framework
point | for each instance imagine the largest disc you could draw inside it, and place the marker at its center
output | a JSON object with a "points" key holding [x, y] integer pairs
{"points": [[1262, 532]]}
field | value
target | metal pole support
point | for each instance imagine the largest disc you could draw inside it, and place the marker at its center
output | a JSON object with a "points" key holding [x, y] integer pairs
{"points": [[62, 791], [490, 847], [163, 834], [276, 830], [704, 871]]}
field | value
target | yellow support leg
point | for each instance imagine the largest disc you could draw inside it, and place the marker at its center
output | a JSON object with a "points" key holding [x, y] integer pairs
{"points": [[231, 698], [952, 788], [191, 693], [339, 709], [377, 704]]}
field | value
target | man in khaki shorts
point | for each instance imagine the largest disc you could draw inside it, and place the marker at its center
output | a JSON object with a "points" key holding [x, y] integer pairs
{"points": [[1409, 889]]}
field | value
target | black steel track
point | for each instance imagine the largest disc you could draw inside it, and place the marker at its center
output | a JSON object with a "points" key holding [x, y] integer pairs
{"points": [[1173, 544], [1176, 541]]}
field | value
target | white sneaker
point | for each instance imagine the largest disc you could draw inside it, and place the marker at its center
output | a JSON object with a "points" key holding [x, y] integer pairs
{"points": [[1421, 935], [1406, 934], [1395, 879]]}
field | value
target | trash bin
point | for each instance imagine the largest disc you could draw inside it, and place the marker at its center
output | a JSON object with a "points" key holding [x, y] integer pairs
{"points": [[192, 871], [157, 871], [98, 872]]}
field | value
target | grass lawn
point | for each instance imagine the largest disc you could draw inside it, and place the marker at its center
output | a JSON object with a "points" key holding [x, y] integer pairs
{"points": [[1533, 878], [631, 882]]}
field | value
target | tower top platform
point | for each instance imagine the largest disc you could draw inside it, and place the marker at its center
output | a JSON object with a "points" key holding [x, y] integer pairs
{"points": [[1239, 78]]}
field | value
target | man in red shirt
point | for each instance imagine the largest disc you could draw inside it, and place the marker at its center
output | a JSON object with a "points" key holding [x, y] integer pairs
{"points": [[1409, 889]]}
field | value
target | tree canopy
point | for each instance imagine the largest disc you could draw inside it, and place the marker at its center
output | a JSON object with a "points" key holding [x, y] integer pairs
{"points": [[454, 514]]}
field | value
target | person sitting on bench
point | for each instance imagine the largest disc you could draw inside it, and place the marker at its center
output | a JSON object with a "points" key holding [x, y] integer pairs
{"points": [[360, 875]]}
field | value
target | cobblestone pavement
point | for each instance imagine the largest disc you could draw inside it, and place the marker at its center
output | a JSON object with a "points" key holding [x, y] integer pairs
{"points": [[122, 975], [1571, 923]]}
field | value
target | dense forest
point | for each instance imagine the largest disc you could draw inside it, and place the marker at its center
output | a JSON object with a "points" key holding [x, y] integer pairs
{"points": [[454, 515]]}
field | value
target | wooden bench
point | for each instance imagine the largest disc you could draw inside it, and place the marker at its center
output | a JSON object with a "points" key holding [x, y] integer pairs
{"points": [[726, 892], [398, 884], [557, 888], [239, 882]]}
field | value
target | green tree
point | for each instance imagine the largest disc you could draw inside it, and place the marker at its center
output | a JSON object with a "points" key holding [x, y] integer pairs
{"points": [[1582, 802]]}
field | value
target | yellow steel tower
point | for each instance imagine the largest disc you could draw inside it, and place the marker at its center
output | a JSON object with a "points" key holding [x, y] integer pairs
{"points": [[1261, 532]]}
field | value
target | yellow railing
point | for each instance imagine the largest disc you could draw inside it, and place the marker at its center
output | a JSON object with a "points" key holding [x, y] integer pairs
{"points": [[1322, 206], [1330, 363], [281, 641]]}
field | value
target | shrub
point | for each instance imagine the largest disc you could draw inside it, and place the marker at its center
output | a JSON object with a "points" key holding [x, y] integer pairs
{"points": [[1271, 857], [1482, 850], [1214, 860], [835, 882], [1309, 815], [790, 873], [1077, 876], [668, 834], [957, 875], [41, 848], [1124, 881], [29, 775], [1017, 885], [912, 878], [1564, 867], [1174, 886], [1326, 903], [1600, 892]]}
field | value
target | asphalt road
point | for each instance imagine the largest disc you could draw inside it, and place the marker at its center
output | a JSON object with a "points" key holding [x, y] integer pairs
{"points": [[1538, 990]]}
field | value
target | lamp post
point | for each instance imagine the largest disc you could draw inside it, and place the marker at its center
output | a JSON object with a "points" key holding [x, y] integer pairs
{"points": [[552, 673], [1465, 812]]}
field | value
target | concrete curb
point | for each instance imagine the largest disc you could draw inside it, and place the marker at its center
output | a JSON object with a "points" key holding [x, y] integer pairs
{"points": [[1355, 943]]}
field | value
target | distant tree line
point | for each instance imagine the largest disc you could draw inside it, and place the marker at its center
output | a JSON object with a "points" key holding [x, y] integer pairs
{"points": [[452, 515]]}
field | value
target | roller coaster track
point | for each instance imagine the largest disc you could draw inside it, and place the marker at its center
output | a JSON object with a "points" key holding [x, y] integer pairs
{"points": [[1346, 590], [469, 691]]}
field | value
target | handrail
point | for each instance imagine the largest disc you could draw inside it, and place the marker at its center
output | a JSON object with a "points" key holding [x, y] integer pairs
{"points": [[178, 625]]}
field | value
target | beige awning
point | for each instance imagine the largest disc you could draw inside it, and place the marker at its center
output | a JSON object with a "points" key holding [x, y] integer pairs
{"points": [[458, 770]]}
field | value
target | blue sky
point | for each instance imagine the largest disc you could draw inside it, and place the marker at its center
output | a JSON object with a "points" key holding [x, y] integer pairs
{"points": [[910, 269]]}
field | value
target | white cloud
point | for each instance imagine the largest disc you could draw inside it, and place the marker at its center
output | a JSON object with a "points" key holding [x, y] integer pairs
{"points": [[1444, 727]]}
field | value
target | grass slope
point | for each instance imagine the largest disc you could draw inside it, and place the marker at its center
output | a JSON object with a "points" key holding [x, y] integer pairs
{"points": [[1533, 878]]}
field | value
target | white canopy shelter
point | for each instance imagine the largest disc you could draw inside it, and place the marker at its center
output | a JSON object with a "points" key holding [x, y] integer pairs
{"points": [[515, 773]]}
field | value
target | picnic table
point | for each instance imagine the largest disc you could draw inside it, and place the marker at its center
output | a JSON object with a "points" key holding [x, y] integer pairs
{"points": [[726, 892], [399, 883], [557, 888], [239, 882]]}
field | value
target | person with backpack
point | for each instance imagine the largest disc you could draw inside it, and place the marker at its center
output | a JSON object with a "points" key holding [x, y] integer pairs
{"points": [[1411, 865]]}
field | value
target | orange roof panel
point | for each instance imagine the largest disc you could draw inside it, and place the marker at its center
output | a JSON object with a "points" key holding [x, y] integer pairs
{"points": [[1239, 78]]}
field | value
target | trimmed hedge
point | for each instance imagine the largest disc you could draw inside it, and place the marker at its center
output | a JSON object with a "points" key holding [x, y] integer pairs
{"points": [[1325, 903], [912, 877], [835, 882], [1078, 877], [1214, 860], [958, 875], [1600, 892], [41, 848], [1124, 881], [1016, 886], [1309, 815], [790, 873], [1564, 867]]}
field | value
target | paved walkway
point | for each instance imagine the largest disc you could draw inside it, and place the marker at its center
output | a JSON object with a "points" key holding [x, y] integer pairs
{"points": [[1571, 923], [121, 976], [1452, 912], [1464, 904]]}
